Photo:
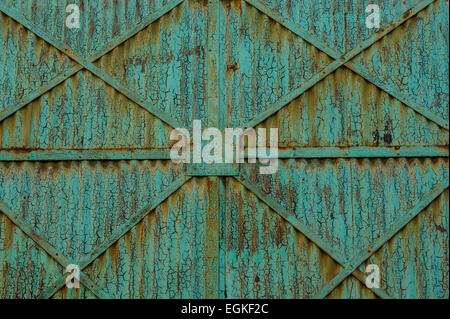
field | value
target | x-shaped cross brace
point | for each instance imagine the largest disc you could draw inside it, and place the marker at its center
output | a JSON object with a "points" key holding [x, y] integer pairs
{"points": [[349, 268]]}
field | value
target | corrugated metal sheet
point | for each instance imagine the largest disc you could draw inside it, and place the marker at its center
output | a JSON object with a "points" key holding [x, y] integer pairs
{"points": [[165, 255], [415, 261], [78, 205], [346, 110], [102, 20], [20, 256], [264, 61], [414, 59], [166, 62], [340, 23], [265, 256], [85, 175], [349, 202], [83, 113], [26, 63]]}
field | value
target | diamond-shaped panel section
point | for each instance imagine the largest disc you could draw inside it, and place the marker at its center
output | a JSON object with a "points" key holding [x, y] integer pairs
{"points": [[345, 110], [78, 293], [166, 254], [415, 262], [266, 257], [340, 24], [26, 62], [101, 21], [264, 61], [352, 288], [166, 62], [414, 60], [317, 192], [25, 268], [83, 113], [77, 205], [384, 190], [349, 202]]}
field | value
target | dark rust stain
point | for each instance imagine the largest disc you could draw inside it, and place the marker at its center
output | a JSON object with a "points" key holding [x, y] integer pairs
{"points": [[232, 67], [387, 138], [376, 137], [440, 228], [22, 149]]}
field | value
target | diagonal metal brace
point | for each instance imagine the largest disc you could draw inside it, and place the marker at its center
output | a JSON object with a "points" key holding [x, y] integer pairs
{"points": [[48, 248], [306, 231], [118, 233], [342, 60], [394, 229], [88, 63]]}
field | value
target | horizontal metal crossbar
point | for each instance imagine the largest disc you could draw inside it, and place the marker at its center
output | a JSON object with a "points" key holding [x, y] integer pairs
{"points": [[164, 154]]}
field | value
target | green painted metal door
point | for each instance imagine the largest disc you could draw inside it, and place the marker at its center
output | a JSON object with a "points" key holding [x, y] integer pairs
{"points": [[86, 176]]}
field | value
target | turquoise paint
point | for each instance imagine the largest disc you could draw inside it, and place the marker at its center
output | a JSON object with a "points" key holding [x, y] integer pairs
{"points": [[85, 174]]}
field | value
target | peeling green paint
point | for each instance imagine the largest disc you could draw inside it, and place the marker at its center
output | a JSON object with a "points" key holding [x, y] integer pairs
{"points": [[86, 176]]}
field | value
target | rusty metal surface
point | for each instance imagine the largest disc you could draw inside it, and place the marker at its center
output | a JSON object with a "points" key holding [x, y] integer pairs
{"points": [[103, 20], [20, 256], [165, 255], [26, 63], [77, 205], [267, 257], [83, 113], [416, 261], [264, 61], [345, 110], [341, 23], [86, 178], [414, 59], [166, 62], [349, 202]]}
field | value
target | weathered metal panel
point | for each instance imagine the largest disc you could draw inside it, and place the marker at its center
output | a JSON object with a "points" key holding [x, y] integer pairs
{"points": [[78, 205], [414, 59], [316, 192], [264, 61], [267, 257], [348, 202], [384, 190], [345, 110], [26, 63], [86, 177], [165, 255], [20, 257], [166, 62], [83, 113], [351, 288], [102, 21], [415, 263], [81, 293], [340, 23]]}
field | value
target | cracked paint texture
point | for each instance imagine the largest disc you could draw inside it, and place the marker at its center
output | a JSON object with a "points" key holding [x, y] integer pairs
{"points": [[170, 234]]}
